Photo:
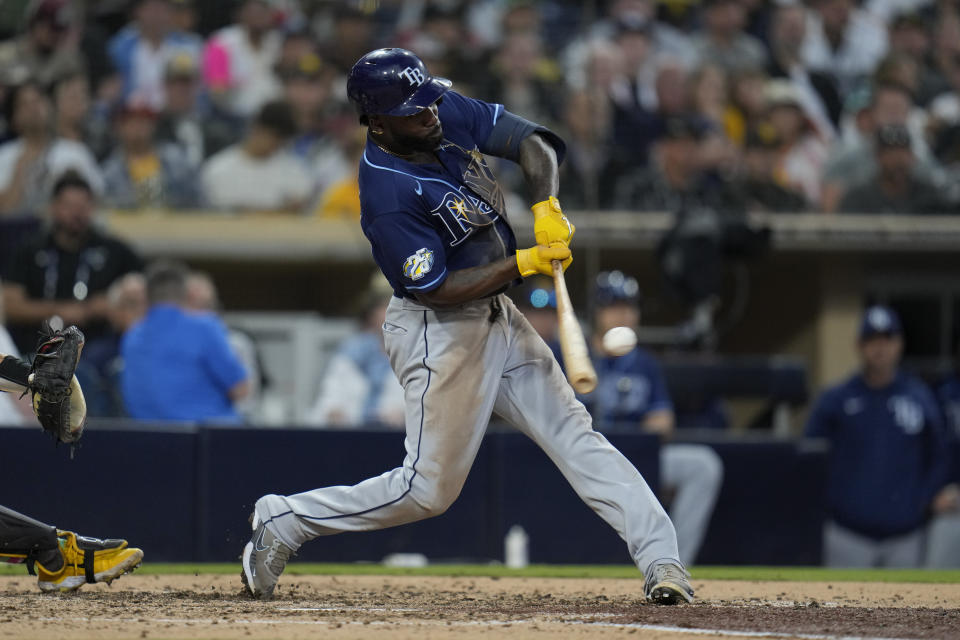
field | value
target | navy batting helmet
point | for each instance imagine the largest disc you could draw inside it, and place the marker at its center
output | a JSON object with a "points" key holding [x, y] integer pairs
{"points": [[613, 287], [393, 82]]}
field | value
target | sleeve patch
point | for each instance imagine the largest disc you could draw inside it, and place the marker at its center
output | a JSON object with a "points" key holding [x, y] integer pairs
{"points": [[419, 264]]}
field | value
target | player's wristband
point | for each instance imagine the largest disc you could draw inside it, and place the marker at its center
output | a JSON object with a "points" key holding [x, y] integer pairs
{"points": [[546, 207], [525, 263]]}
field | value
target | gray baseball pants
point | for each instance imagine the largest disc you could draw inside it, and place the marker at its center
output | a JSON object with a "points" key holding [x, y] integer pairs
{"points": [[457, 368]]}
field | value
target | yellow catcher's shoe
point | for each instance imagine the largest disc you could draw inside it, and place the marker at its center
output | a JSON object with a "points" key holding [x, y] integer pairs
{"points": [[88, 560]]}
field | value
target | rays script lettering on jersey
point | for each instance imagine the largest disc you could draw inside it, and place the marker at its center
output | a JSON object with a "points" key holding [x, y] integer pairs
{"points": [[462, 214], [413, 76]]}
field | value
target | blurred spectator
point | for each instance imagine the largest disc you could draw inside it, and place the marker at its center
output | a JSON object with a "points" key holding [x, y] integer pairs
{"points": [[100, 367], [238, 60], [297, 45], [843, 41], [178, 364], [202, 297], [47, 50], [358, 387], [140, 51], [526, 80], [803, 152], [30, 164], [675, 178], [198, 132], [895, 188], [66, 270], [672, 84], [75, 118], [667, 41], [816, 90], [709, 97], [184, 16], [758, 184], [945, 118], [723, 42], [587, 173], [142, 173], [259, 173], [638, 63], [443, 38], [889, 463], [946, 40], [853, 160], [631, 126], [351, 36], [71, 101], [747, 105], [326, 133], [342, 198], [909, 37], [632, 395]]}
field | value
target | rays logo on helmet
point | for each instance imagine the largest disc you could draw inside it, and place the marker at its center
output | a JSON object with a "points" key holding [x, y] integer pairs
{"points": [[419, 264], [413, 76]]}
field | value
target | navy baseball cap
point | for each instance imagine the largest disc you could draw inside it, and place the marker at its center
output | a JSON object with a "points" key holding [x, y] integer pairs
{"points": [[613, 287], [394, 82], [880, 320]]}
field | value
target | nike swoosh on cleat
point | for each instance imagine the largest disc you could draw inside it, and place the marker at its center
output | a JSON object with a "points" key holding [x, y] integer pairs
{"points": [[259, 543], [418, 189]]}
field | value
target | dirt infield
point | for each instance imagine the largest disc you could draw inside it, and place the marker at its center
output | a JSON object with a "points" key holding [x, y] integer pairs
{"points": [[422, 608]]}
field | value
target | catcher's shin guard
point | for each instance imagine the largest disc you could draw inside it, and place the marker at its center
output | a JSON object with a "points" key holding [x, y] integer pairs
{"points": [[23, 539], [88, 560], [22, 535]]}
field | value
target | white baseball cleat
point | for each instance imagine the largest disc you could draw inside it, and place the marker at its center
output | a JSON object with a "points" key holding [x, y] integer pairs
{"points": [[668, 583], [264, 559]]}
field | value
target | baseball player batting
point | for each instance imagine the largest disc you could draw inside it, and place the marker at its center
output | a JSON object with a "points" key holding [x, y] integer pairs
{"points": [[434, 215]]}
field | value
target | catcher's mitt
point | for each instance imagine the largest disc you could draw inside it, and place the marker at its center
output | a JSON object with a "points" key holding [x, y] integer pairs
{"points": [[57, 398]]}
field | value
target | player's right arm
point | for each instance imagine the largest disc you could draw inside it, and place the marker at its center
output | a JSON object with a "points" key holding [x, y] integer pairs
{"points": [[410, 252]]}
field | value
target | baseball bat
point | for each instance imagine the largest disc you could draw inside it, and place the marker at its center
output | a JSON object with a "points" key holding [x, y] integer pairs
{"points": [[576, 358]]}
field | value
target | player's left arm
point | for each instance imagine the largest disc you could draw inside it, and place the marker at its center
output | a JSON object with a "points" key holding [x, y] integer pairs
{"points": [[534, 147], [538, 160], [541, 169]]}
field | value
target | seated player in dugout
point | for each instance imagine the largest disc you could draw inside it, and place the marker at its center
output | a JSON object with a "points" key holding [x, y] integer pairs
{"points": [[61, 560], [435, 218]]}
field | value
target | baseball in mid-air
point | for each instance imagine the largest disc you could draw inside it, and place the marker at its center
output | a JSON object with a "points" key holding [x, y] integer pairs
{"points": [[619, 341]]}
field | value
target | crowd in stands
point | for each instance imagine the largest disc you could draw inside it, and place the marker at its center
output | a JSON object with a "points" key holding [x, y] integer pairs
{"points": [[774, 105]]}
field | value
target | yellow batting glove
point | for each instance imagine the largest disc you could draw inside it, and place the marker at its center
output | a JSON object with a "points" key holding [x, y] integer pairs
{"points": [[540, 259], [549, 223]]}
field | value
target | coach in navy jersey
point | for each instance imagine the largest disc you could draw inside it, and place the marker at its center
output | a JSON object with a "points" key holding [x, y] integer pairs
{"points": [[889, 457]]}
